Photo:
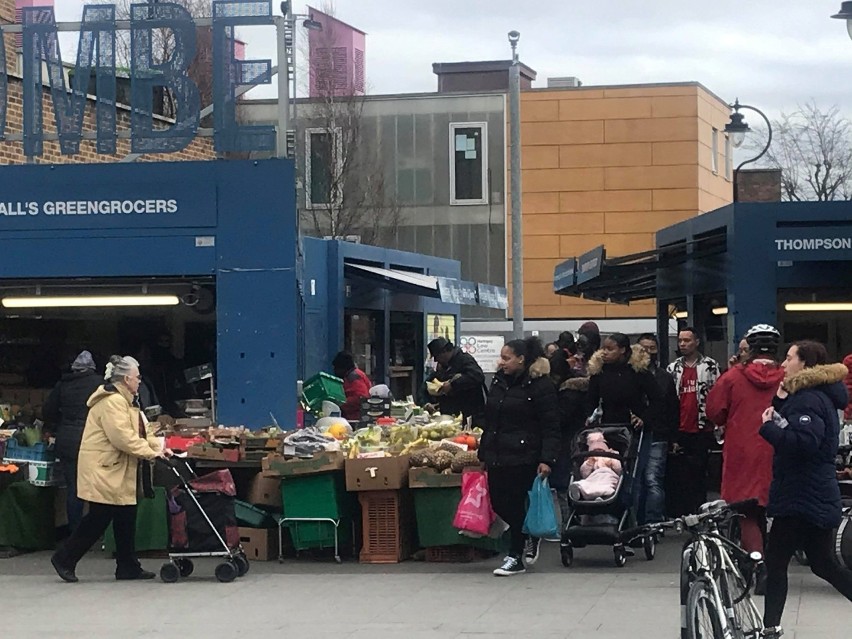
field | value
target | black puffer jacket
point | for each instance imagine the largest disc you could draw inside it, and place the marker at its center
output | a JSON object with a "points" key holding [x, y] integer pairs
{"points": [[573, 405], [65, 410], [522, 420], [467, 396], [625, 388], [663, 416], [804, 483]]}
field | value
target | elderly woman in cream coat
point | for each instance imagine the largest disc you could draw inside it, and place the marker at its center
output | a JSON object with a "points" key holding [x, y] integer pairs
{"points": [[115, 456]]}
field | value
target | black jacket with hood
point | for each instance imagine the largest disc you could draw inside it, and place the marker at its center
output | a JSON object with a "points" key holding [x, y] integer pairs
{"points": [[65, 410], [625, 387], [522, 420], [663, 415], [467, 380]]}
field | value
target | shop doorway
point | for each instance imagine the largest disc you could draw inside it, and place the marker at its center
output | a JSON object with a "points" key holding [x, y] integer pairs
{"points": [[364, 338], [407, 362]]}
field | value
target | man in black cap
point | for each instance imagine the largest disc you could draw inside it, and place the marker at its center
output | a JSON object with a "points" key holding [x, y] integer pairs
{"points": [[463, 390]]}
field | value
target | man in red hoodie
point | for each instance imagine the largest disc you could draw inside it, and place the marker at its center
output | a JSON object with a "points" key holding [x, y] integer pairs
{"points": [[736, 403], [356, 385]]}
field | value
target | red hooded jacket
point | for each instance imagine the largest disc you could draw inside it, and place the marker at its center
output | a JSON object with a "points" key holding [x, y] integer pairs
{"points": [[847, 414], [737, 402]]}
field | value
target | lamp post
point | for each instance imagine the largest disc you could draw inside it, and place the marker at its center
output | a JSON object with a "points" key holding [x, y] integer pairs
{"points": [[737, 128], [515, 169], [845, 13]]}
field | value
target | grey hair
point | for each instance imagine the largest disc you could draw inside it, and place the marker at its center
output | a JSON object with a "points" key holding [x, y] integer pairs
{"points": [[119, 367]]}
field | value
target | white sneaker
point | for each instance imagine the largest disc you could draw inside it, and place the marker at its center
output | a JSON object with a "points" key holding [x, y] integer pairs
{"points": [[532, 547], [511, 566]]}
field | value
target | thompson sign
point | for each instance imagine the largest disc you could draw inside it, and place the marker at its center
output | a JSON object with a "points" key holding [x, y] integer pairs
{"points": [[96, 56]]}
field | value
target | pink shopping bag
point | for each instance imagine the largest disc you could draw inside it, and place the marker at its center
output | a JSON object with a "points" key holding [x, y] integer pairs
{"points": [[474, 513]]}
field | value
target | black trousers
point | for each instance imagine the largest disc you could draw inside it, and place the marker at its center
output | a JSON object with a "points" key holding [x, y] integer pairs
{"points": [[691, 489], [787, 535], [508, 487], [92, 528]]}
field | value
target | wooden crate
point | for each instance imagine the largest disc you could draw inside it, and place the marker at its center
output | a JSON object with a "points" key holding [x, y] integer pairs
{"points": [[387, 526]]}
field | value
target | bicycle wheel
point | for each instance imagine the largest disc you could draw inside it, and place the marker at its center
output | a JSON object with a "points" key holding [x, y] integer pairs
{"points": [[703, 617], [744, 620]]}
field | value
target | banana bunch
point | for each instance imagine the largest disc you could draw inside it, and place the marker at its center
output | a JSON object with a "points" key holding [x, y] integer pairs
{"points": [[403, 434], [421, 442], [433, 387]]}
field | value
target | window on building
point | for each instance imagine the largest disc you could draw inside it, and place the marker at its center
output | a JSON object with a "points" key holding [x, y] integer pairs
{"points": [[468, 163], [714, 161], [729, 158], [323, 159]]}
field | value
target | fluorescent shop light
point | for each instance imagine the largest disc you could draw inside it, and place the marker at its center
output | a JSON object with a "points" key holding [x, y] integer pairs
{"points": [[90, 302], [804, 307], [720, 310], [681, 315]]}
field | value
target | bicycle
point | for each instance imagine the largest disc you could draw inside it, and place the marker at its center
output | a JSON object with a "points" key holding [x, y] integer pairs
{"points": [[716, 576]]}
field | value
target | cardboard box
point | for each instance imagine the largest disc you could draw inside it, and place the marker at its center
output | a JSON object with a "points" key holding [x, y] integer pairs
{"points": [[207, 451], [388, 473], [259, 544], [265, 491], [431, 478], [276, 465]]}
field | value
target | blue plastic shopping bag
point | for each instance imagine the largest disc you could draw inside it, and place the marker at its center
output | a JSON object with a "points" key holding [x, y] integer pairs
{"points": [[541, 515]]}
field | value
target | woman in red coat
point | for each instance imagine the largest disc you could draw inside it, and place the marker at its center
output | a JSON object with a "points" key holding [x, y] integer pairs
{"points": [[737, 402]]}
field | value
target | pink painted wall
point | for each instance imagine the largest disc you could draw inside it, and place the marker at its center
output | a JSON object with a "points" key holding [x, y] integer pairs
{"points": [[337, 57]]}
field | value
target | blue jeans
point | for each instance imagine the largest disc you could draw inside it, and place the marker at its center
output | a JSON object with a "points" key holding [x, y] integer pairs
{"points": [[655, 474]]}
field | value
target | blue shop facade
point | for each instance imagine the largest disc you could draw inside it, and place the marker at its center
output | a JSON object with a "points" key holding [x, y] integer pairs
{"points": [[263, 307], [788, 264]]}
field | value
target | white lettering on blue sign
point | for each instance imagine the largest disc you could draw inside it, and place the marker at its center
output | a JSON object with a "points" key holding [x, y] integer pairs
{"points": [[90, 207], [815, 244]]}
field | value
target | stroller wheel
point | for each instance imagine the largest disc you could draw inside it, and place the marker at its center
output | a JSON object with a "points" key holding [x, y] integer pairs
{"points": [[169, 573], [242, 563], [650, 546], [620, 556], [185, 566], [567, 552], [226, 572]]}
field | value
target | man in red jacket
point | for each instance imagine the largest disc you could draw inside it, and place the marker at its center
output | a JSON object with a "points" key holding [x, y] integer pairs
{"points": [[356, 385], [736, 403]]}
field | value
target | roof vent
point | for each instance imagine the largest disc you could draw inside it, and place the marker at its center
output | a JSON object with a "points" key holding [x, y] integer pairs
{"points": [[569, 82]]}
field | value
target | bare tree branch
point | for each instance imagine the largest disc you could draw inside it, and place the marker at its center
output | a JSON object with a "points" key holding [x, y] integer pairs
{"points": [[813, 149]]}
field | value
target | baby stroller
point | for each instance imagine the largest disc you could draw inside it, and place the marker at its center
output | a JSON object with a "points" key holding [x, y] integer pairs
{"points": [[202, 523], [600, 522]]}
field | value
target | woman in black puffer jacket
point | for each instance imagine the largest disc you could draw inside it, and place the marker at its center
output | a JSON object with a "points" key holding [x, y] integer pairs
{"points": [[521, 439], [804, 500]]}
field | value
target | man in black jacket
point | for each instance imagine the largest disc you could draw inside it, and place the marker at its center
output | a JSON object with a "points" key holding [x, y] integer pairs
{"points": [[65, 411], [661, 426], [463, 390]]}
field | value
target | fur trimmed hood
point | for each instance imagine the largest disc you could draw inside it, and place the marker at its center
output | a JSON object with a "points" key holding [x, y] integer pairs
{"points": [[539, 368], [815, 376], [576, 384], [639, 360]]}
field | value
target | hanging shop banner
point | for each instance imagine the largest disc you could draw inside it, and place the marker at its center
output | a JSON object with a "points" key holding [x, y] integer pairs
{"points": [[565, 275], [457, 291], [485, 349], [492, 296], [589, 264], [814, 244]]}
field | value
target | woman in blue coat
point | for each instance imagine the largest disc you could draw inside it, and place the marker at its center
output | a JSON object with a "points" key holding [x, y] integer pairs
{"points": [[803, 427]]}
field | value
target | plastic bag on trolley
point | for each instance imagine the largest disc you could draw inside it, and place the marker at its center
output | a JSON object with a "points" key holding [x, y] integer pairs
{"points": [[474, 514], [189, 530]]}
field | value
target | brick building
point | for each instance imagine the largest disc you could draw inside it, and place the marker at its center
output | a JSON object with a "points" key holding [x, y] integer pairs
{"points": [[12, 152]]}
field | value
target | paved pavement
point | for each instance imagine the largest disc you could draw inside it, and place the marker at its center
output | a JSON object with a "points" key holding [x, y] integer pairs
{"points": [[317, 599]]}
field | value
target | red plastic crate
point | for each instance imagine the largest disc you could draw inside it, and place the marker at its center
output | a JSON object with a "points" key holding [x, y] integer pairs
{"points": [[179, 443]]}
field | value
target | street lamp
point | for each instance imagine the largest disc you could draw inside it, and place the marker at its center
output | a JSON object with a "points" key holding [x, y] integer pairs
{"points": [[845, 13], [515, 171], [737, 128]]}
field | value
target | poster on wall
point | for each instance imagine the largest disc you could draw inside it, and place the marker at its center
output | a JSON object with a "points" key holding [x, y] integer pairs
{"points": [[485, 349], [441, 326]]}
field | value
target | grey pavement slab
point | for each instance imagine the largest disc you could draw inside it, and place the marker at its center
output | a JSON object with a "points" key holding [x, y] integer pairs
{"points": [[312, 598]]}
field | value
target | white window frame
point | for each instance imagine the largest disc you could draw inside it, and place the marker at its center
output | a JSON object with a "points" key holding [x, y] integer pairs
{"points": [[729, 158], [337, 197], [483, 126], [714, 161]]}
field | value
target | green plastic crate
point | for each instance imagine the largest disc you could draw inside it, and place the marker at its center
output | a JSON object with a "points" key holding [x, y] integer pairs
{"points": [[252, 516], [319, 534], [152, 524], [320, 495], [434, 510], [323, 387]]}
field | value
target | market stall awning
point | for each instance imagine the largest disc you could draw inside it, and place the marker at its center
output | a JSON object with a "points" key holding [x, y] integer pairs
{"points": [[628, 278], [393, 279]]}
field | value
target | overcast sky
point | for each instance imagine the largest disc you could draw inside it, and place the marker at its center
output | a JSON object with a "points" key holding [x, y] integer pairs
{"points": [[771, 53]]}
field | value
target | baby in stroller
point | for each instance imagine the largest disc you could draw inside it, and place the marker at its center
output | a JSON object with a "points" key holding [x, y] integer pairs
{"points": [[600, 475]]}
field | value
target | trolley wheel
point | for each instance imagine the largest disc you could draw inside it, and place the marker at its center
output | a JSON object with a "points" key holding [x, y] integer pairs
{"points": [[226, 572], [567, 552], [242, 564], [185, 566], [169, 573], [649, 544], [620, 556]]}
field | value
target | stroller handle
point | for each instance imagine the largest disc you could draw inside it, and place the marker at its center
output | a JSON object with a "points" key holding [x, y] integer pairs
{"points": [[597, 453]]}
